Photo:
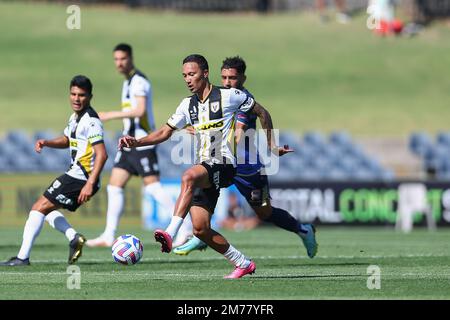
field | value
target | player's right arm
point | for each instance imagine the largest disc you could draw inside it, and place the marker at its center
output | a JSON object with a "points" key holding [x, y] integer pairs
{"points": [[138, 112], [176, 122], [58, 143], [156, 137]]}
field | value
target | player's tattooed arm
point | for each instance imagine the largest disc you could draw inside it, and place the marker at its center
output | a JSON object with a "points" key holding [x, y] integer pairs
{"points": [[58, 143], [156, 137], [264, 116], [267, 125], [266, 122]]}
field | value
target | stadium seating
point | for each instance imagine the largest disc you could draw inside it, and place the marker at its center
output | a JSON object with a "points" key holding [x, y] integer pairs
{"points": [[336, 158], [316, 157], [434, 153]]}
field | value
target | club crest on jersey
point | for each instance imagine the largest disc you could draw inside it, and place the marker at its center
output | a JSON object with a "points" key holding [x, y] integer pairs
{"points": [[215, 106]]}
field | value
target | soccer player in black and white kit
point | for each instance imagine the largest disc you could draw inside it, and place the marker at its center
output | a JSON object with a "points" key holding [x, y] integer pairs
{"points": [[138, 121], [211, 110], [84, 136]]}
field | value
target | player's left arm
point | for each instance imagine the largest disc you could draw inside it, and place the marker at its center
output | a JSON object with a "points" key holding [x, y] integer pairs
{"points": [[137, 112], [267, 125], [100, 159]]}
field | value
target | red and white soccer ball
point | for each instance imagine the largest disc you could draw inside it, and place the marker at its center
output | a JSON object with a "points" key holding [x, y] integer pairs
{"points": [[127, 249]]}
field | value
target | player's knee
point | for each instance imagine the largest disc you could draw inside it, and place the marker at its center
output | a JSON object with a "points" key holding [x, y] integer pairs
{"points": [[42, 206], [200, 231], [188, 179]]}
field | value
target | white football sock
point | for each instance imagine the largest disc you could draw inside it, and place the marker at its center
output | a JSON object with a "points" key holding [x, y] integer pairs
{"points": [[116, 200], [32, 228], [57, 220], [236, 257], [174, 226], [162, 197], [184, 233]]}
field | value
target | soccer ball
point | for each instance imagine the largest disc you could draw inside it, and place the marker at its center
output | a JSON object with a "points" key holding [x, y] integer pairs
{"points": [[127, 249]]}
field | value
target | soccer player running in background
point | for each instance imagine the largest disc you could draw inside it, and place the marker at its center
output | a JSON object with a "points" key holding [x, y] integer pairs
{"points": [[211, 110], [84, 136], [250, 179], [138, 121]]}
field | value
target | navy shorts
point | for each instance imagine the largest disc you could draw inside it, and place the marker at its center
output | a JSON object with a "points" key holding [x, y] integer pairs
{"points": [[138, 162], [254, 188]]}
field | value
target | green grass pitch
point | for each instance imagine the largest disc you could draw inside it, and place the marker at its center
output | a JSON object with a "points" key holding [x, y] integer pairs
{"points": [[413, 266]]}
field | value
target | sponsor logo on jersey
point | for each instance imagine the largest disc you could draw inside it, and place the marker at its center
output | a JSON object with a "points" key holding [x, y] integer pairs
{"points": [[208, 126], [193, 114], [126, 105], [73, 143]]}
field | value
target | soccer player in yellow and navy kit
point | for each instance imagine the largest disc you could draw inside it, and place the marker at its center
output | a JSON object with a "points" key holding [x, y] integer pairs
{"points": [[250, 179], [84, 136], [138, 121], [211, 110]]}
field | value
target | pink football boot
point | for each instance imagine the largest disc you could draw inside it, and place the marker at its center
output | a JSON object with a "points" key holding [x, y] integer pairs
{"points": [[240, 272], [165, 239]]}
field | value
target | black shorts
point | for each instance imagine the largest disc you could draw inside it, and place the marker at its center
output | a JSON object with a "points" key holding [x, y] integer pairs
{"points": [[138, 162], [65, 190], [220, 176]]}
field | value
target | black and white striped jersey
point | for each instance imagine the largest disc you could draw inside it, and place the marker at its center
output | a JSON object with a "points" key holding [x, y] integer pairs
{"points": [[84, 131], [214, 120], [138, 86]]}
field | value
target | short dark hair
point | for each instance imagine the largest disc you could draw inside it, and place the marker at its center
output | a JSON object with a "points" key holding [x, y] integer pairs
{"points": [[198, 59], [82, 82], [124, 47], [234, 63]]}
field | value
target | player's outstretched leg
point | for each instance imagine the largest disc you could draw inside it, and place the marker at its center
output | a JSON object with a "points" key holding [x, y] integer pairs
{"points": [[32, 228], [202, 229], [307, 233], [76, 247], [283, 219], [243, 265], [193, 244]]}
